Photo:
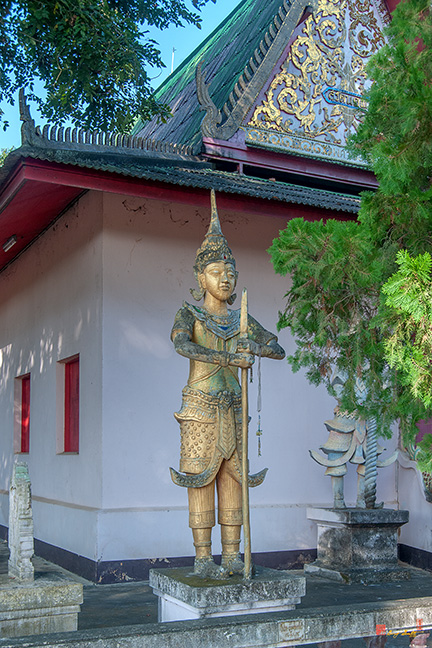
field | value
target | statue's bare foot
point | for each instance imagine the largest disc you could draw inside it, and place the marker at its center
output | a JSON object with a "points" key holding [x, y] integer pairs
{"points": [[232, 564], [207, 568]]}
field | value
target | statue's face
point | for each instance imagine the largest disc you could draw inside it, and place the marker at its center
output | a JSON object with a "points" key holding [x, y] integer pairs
{"points": [[219, 279]]}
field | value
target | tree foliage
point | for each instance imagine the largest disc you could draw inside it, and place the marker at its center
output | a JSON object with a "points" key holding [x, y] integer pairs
{"points": [[92, 56], [335, 307], [3, 154], [409, 344], [396, 134]]}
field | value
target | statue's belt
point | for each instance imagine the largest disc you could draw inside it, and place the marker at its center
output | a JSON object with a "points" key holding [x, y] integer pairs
{"points": [[209, 474], [198, 406], [221, 409]]}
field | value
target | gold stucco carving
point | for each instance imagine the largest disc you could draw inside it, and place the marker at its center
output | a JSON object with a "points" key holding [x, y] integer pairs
{"points": [[330, 50]]}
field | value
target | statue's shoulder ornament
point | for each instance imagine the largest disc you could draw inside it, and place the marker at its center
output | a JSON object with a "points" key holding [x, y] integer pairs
{"points": [[184, 321]]}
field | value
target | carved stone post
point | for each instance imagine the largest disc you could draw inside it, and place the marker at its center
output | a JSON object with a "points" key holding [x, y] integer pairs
{"points": [[21, 544], [370, 482]]}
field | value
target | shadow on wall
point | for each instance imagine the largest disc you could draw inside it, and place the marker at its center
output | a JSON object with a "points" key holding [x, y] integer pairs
{"points": [[7, 396]]}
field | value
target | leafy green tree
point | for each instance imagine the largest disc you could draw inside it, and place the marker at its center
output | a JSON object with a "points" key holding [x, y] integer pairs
{"points": [[335, 308], [409, 344], [3, 155], [91, 56]]}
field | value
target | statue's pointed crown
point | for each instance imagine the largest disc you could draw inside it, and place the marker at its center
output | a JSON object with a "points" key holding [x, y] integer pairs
{"points": [[214, 247]]}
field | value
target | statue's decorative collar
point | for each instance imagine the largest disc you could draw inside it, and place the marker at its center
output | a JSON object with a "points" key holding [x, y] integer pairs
{"points": [[224, 326]]}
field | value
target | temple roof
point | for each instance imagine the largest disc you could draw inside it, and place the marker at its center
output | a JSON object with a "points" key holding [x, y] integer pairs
{"points": [[224, 53], [55, 166], [247, 60], [287, 76], [142, 159]]}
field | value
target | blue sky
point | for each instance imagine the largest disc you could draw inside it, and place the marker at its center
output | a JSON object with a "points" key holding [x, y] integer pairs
{"points": [[184, 40]]}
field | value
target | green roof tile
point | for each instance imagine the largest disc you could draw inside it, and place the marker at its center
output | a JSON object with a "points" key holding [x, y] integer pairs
{"points": [[224, 53], [188, 173]]}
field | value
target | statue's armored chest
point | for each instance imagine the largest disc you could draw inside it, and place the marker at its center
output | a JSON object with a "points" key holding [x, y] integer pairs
{"points": [[212, 331]]}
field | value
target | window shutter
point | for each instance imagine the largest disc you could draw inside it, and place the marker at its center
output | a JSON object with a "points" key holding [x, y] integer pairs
{"points": [[71, 427], [25, 414]]}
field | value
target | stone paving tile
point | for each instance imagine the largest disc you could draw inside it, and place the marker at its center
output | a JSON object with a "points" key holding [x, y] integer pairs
{"points": [[118, 604], [322, 591]]}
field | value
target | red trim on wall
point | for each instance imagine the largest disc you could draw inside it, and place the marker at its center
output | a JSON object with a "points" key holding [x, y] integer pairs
{"points": [[25, 413], [392, 4], [71, 410], [239, 153]]}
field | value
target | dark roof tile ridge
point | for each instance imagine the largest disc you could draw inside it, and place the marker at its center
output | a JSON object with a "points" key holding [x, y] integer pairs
{"points": [[279, 183], [206, 177], [214, 124], [257, 57], [74, 138]]}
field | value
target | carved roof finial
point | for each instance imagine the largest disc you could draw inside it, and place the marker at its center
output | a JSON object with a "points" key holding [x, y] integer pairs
{"points": [[28, 124], [213, 114]]}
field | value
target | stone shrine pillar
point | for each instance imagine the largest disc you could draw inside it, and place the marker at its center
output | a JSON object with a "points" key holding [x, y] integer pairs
{"points": [[21, 544], [32, 604]]}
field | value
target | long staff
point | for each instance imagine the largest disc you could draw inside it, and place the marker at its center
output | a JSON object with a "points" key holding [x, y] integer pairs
{"points": [[245, 462]]}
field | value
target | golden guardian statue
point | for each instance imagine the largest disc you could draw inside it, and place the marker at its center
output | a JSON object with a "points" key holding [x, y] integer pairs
{"points": [[211, 413]]}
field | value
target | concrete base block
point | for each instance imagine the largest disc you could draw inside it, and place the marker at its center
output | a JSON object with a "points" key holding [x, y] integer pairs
{"points": [[42, 606], [183, 596], [358, 545]]}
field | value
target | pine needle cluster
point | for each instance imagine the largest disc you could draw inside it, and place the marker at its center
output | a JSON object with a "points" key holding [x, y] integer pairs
{"points": [[408, 345]]}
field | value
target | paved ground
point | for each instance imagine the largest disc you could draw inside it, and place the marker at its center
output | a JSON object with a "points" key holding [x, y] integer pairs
{"points": [[134, 603]]}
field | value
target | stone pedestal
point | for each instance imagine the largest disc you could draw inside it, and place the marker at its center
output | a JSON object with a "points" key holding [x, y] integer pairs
{"points": [[182, 595], [358, 545], [30, 605], [39, 607]]}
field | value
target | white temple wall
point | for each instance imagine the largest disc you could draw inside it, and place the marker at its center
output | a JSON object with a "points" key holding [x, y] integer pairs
{"points": [[418, 532], [112, 298], [50, 309], [149, 250]]}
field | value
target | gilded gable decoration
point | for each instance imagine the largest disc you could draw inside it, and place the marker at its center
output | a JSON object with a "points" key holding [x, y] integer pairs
{"points": [[316, 99]]}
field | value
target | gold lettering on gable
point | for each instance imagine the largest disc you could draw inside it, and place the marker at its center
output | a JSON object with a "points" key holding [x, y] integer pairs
{"points": [[329, 53]]}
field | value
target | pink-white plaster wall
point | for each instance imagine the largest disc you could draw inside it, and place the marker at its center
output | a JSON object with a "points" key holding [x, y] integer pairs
{"points": [[418, 533], [106, 281], [149, 250], [50, 309]]}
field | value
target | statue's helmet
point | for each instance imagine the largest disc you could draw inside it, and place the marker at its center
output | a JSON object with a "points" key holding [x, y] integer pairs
{"points": [[214, 247]]}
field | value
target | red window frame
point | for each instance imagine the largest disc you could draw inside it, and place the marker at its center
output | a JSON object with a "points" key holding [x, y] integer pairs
{"points": [[71, 406], [25, 413]]}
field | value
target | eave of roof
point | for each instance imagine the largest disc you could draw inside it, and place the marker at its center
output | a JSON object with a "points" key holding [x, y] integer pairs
{"points": [[37, 184], [53, 167], [190, 173]]}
